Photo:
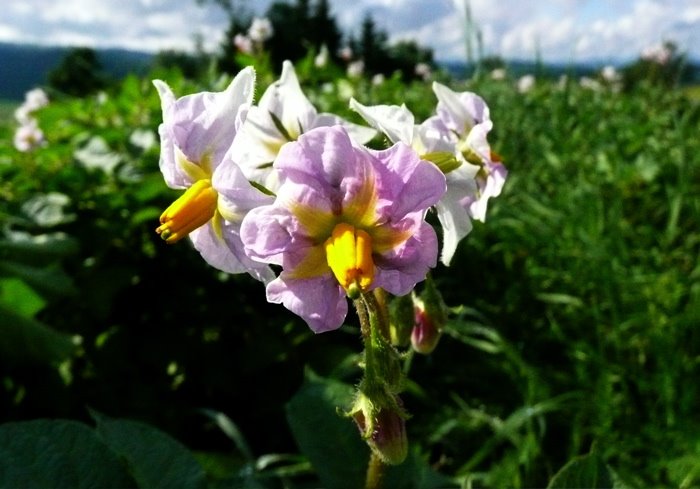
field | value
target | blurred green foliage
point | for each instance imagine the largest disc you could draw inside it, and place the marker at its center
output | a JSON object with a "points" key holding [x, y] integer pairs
{"points": [[573, 339]]}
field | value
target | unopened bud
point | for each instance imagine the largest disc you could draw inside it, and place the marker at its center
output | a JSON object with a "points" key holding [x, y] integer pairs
{"points": [[383, 427], [425, 334], [430, 317], [402, 318]]}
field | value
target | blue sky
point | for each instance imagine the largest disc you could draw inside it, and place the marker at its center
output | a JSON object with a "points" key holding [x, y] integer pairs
{"points": [[562, 30]]}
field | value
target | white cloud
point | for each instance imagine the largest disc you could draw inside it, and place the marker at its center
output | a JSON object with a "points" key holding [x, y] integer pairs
{"points": [[8, 33], [561, 29]]}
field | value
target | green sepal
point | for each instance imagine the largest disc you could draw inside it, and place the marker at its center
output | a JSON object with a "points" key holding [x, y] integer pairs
{"points": [[444, 160]]}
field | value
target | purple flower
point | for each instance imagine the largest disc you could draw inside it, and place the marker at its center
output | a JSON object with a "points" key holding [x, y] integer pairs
{"points": [[196, 134], [346, 219]]}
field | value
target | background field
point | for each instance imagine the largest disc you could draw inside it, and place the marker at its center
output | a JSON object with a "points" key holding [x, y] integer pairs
{"points": [[574, 309]]}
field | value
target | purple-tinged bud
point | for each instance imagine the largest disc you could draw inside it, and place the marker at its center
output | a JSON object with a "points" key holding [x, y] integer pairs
{"points": [[384, 429], [430, 317], [425, 334]]}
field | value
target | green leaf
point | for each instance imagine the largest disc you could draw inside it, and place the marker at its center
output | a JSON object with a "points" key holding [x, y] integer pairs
{"points": [[331, 441], [57, 454], [585, 471], [38, 250], [25, 341], [154, 458], [20, 297], [334, 446], [51, 279]]}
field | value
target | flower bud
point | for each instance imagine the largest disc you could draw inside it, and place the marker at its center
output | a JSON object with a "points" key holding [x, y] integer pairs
{"points": [[383, 427], [425, 334], [401, 320], [430, 317]]}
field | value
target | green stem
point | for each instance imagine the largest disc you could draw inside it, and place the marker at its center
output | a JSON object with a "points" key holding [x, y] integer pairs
{"points": [[378, 312], [375, 470], [363, 316]]}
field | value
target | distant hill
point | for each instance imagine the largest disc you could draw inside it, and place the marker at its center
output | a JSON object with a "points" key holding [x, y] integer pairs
{"points": [[517, 68], [23, 67]]}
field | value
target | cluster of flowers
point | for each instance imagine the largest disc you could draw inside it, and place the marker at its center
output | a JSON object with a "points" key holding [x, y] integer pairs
{"points": [[28, 134], [297, 200]]}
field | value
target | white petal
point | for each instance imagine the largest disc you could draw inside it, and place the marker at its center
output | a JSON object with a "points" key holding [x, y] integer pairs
{"points": [[394, 121]]}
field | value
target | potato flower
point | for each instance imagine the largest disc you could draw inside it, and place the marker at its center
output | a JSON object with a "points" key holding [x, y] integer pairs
{"points": [[345, 220], [432, 140], [282, 115], [455, 139], [196, 134], [467, 117]]}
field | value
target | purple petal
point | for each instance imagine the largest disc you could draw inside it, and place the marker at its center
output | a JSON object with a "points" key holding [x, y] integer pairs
{"points": [[325, 154], [236, 195], [201, 126], [399, 270], [320, 301], [417, 184], [266, 233], [226, 253]]}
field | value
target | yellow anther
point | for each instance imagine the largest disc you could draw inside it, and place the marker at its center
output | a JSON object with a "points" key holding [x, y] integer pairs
{"points": [[191, 210], [349, 254]]}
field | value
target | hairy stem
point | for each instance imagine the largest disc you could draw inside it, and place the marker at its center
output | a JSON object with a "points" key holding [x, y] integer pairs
{"points": [[375, 471]]}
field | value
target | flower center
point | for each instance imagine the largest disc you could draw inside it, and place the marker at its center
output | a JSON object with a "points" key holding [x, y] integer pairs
{"points": [[191, 210], [349, 254]]}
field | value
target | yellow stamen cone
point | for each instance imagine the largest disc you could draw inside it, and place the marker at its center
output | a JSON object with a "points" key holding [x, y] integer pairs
{"points": [[190, 211], [349, 255]]}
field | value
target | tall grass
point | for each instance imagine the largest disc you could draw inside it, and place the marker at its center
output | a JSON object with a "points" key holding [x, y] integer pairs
{"points": [[7, 109], [575, 307], [588, 269]]}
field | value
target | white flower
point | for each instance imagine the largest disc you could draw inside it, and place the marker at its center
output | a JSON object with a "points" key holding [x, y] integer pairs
{"points": [[498, 74], [282, 115], [589, 83], [243, 43], [321, 58], [260, 29], [28, 136], [378, 79], [35, 99], [526, 83], [423, 70], [610, 74], [356, 68]]}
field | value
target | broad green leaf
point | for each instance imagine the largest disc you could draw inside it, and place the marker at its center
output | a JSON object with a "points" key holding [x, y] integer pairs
{"points": [[57, 454], [585, 471], [21, 298], [154, 459], [37, 250], [51, 279], [331, 441], [25, 341]]}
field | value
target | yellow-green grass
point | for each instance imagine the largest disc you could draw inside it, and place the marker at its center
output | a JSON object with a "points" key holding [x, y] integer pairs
{"points": [[7, 109], [693, 92]]}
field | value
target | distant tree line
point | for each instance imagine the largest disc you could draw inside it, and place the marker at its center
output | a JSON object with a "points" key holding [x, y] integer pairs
{"points": [[306, 25]]}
